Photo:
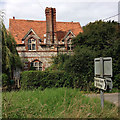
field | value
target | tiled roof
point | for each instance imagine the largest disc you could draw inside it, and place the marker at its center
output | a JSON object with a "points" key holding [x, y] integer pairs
{"points": [[19, 28]]}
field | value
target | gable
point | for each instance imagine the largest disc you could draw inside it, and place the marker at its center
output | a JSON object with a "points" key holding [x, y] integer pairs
{"points": [[19, 28], [30, 33], [69, 34]]}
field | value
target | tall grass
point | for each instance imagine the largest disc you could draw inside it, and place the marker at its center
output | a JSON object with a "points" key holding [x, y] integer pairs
{"points": [[54, 103]]}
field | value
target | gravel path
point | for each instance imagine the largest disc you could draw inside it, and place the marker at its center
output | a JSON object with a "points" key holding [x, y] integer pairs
{"points": [[111, 97]]}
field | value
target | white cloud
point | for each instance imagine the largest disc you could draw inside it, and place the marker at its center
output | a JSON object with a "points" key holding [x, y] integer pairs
{"points": [[77, 10], [86, 12]]}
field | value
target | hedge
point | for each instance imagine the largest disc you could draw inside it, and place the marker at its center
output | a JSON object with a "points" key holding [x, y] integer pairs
{"points": [[116, 84], [45, 79], [4, 79]]}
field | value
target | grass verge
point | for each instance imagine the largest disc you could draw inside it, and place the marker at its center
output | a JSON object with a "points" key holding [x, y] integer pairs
{"points": [[54, 103]]}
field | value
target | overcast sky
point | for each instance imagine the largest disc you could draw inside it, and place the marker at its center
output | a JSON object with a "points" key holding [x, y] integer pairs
{"points": [[83, 11]]}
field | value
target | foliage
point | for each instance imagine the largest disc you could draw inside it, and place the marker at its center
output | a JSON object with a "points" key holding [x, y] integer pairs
{"points": [[10, 57], [99, 39], [58, 62], [54, 103], [98, 35], [4, 79], [81, 66], [103, 39], [45, 79], [116, 79]]}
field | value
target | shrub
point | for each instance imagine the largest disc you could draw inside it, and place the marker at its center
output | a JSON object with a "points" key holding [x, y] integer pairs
{"points": [[45, 79], [4, 79], [116, 84], [50, 79]]}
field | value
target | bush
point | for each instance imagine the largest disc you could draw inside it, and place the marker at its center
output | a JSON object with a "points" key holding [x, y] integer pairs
{"points": [[4, 80], [45, 79], [51, 79], [116, 84]]}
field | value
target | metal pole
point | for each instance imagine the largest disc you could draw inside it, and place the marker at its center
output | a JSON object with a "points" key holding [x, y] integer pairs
{"points": [[102, 98], [101, 67], [101, 75]]}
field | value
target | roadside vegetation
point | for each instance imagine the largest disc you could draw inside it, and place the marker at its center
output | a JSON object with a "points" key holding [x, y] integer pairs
{"points": [[99, 39], [10, 58], [58, 92], [54, 103]]}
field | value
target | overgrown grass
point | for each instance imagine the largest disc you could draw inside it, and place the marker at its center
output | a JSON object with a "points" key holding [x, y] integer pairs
{"points": [[54, 103]]}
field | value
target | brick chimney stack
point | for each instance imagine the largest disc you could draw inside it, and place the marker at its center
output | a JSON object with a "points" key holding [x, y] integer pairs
{"points": [[50, 25]]}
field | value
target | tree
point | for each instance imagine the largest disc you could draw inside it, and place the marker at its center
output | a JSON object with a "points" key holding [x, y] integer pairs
{"points": [[103, 39], [10, 57], [99, 39]]}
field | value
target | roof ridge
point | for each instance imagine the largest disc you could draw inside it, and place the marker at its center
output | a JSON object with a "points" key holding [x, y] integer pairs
{"points": [[66, 22], [27, 20], [41, 21]]}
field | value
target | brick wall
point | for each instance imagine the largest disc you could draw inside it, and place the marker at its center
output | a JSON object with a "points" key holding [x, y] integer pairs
{"points": [[50, 25], [43, 54]]}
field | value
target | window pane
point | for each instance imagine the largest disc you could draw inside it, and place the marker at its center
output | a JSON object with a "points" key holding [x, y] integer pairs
{"points": [[40, 68], [40, 64], [29, 47], [35, 63], [33, 46], [37, 68], [33, 40], [29, 41]]}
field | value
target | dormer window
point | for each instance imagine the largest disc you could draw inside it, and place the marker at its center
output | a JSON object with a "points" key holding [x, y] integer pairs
{"points": [[31, 44], [69, 42]]}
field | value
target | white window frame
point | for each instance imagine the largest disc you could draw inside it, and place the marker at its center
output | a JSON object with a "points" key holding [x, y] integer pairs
{"points": [[31, 43], [37, 65]]}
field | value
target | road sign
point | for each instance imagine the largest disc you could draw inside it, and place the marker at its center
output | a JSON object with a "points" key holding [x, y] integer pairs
{"points": [[104, 84], [103, 67], [100, 83], [109, 84], [103, 72]]}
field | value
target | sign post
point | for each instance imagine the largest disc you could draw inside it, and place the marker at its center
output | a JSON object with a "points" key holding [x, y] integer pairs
{"points": [[102, 98], [103, 74]]}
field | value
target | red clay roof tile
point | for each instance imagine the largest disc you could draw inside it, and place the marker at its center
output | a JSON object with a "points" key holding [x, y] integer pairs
{"points": [[19, 28]]}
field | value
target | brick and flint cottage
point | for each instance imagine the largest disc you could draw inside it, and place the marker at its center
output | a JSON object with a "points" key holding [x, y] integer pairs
{"points": [[38, 41]]}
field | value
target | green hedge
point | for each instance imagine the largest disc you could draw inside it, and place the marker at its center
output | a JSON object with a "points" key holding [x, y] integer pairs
{"points": [[4, 79], [45, 79], [116, 84]]}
